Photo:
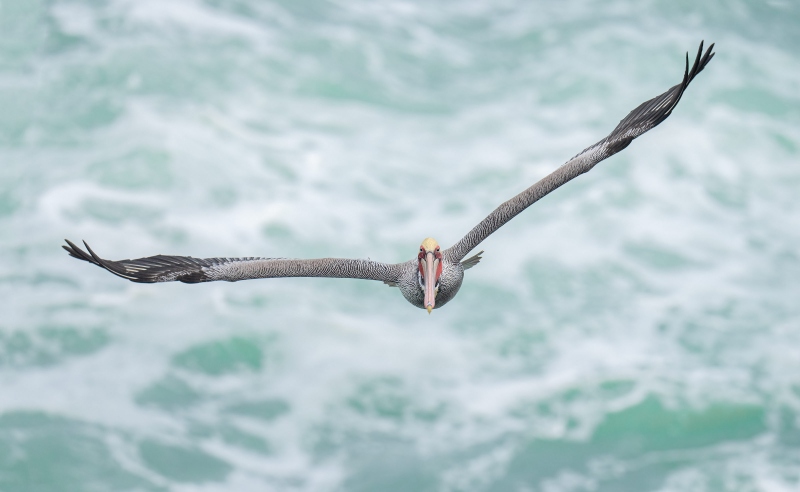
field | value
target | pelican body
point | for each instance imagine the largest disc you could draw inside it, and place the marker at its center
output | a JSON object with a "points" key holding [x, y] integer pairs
{"points": [[434, 277]]}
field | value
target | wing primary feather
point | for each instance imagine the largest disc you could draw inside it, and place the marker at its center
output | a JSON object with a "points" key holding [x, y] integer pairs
{"points": [[77, 252], [108, 265]]}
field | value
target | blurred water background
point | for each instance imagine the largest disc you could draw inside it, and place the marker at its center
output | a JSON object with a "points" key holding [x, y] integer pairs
{"points": [[637, 330]]}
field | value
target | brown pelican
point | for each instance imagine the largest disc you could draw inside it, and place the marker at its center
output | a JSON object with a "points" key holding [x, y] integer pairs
{"points": [[431, 279]]}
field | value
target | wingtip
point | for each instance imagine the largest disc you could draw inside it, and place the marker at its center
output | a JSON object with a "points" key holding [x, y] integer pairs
{"points": [[709, 54], [94, 255], [700, 62], [106, 264], [76, 252], [70, 243]]}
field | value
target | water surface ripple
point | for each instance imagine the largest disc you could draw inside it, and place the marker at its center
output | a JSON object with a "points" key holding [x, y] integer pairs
{"points": [[637, 330]]}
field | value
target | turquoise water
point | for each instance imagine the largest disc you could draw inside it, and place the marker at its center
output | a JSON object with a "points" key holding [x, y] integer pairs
{"points": [[637, 330]]}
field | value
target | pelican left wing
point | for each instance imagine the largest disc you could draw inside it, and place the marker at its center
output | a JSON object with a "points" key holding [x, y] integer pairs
{"points": [[162, 268], [645, 117]]}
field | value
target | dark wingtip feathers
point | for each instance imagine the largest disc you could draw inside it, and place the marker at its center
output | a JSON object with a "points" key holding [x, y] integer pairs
{"points": [[686, 71], [77, 252], [700, 62], [158, 268], [652, 112], [92, 257]]}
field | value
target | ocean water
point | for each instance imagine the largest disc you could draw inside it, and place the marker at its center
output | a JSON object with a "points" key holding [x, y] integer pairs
{"points": [[637, 330]]}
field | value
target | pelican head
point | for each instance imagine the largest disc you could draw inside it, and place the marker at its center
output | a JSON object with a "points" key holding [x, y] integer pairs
{"points": [[430, 269]]}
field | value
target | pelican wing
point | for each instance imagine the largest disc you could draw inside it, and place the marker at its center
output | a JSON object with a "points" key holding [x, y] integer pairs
{"points": [[190, 270], [648, 115]]}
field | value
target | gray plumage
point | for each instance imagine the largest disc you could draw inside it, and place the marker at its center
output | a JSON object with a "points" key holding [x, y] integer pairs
{"points": [[645, 117], [190, 270], [406, 276]]}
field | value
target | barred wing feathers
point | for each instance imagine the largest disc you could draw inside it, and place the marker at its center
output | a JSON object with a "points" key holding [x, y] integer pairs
{"points": [[645, 117], [163, 268]]}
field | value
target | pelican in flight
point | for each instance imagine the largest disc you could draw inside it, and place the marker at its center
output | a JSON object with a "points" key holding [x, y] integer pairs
{"points": [[433, 277]]}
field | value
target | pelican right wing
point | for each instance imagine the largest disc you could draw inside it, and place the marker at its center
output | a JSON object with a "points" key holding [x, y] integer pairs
{"points": [[162, 268], [645, 117]]}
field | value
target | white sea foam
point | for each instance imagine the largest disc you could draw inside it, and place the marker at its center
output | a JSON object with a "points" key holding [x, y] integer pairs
{"points": [[356, 130]]}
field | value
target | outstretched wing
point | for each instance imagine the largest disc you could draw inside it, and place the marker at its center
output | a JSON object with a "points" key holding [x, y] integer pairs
{"points": [[190, 270], [648, 115]]}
